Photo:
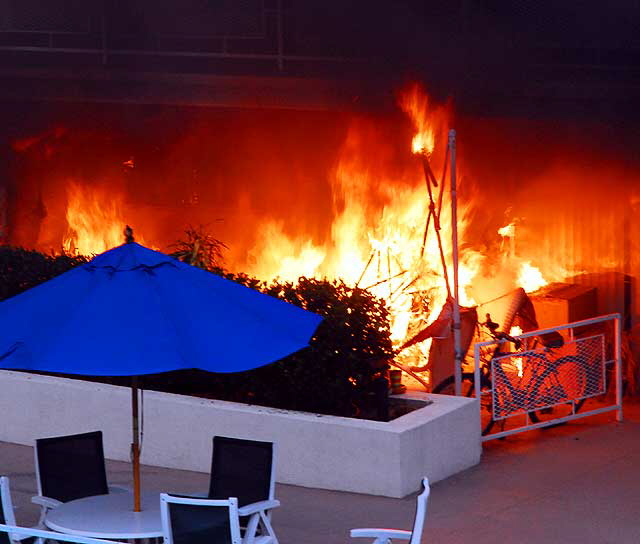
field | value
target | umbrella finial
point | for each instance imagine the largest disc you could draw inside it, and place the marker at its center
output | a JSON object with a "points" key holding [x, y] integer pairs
{"points": [[128, 235]]}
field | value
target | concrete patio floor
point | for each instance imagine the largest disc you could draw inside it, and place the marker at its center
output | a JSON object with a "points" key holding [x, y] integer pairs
{"points": [[577, 483]]}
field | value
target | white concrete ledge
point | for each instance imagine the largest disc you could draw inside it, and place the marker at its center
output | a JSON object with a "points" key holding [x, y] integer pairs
{"points": [[314, 450]]}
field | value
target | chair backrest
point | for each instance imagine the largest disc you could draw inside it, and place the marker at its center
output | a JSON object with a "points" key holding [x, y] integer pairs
{"points": [[7, 516], [186, 520], [421, 513], [71, 467], [241, 468]]}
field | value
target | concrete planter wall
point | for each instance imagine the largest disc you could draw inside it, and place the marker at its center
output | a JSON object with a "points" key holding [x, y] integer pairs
{"points": [[313, 450]]}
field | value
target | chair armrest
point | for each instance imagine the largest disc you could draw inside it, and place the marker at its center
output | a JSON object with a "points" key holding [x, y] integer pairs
{"points": [[119, 488], [45, 502], [259, 506], [381, 534]]}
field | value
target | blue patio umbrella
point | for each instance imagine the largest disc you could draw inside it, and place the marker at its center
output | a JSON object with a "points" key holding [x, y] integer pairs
{"points": [[132, 311]]}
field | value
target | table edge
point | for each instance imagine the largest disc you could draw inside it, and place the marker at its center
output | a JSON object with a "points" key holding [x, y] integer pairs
{"points": [[98, 534]]}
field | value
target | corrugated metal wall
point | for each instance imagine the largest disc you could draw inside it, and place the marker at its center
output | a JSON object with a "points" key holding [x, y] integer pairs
{"points": [[594, 237]]}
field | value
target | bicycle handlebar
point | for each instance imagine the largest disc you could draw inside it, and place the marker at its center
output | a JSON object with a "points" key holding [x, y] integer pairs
{"points": [[499, 335], [504, 336]]}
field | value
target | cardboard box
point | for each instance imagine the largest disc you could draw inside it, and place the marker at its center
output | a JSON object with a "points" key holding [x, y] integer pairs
{"points": [[560, 303]]}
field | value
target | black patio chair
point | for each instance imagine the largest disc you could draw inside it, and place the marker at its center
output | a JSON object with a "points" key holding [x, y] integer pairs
{"points": [[187, 520], [245, 469], [70, 467]]}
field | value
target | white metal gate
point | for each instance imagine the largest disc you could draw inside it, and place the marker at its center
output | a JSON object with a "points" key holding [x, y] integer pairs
{"points": [[531, 385]]}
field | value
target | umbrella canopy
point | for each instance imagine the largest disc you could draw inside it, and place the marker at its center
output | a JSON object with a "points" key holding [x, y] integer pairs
{"points": [[133, 311]]}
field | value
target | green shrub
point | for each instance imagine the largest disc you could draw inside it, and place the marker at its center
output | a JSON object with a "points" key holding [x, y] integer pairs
{"points": [[337, 374]]}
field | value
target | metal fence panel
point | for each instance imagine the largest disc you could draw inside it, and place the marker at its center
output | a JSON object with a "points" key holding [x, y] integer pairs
{"points": [[549, 385], [545, 377]]}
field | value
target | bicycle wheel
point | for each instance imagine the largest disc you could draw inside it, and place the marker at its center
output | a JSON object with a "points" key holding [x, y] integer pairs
{"points": [[448, 387], [554, 390]]}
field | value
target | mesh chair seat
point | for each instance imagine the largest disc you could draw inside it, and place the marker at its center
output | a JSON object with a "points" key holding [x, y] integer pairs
{"points": [[242, 469], [245, 469], [68, 468], [71, 467], [186, 520]]}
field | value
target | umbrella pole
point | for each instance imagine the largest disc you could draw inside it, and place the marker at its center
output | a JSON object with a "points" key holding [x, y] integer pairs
{"points": [[135, 446]]}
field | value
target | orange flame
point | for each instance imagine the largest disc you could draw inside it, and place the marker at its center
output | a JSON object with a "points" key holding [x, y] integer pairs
{"points": [[378, 226], [95, 220], [508, 230], [416, 104], [375, 241], [517, 361], [530, 278]]}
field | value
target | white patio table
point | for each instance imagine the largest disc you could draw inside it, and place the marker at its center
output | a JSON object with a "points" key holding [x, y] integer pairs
{"points": [[108, 516]]}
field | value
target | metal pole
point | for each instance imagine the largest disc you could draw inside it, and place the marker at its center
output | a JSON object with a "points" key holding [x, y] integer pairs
{"points": [[618, 369], [135, 446], [476, 377], [457, 371], [430, 178]]}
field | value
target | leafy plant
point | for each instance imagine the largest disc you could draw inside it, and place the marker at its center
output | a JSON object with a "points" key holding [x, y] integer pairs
{"points": [[200, 249]]}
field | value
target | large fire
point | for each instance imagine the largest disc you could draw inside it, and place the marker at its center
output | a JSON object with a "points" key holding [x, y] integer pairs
{"points": [[380, 233], [379, 237]]}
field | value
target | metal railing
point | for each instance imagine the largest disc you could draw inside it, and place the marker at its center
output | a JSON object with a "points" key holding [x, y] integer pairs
{"points": [[534, 387]]}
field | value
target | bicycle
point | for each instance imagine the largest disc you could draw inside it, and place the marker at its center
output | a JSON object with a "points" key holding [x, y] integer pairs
{"points": [[532, 381]]}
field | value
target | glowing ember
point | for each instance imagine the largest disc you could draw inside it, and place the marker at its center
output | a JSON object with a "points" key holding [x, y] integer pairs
{"points": [[422, 143], [416, 103]]}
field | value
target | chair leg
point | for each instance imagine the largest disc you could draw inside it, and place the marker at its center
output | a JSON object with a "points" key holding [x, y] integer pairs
{"points": [[251, 529], [268, 529]]}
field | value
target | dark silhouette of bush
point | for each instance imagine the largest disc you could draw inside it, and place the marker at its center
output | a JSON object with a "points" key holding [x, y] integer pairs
{"points": [[22, 269]]}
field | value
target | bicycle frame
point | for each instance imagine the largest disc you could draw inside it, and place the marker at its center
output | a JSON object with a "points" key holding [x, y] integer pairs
{"points": [[539, 367], [482, 379]]}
